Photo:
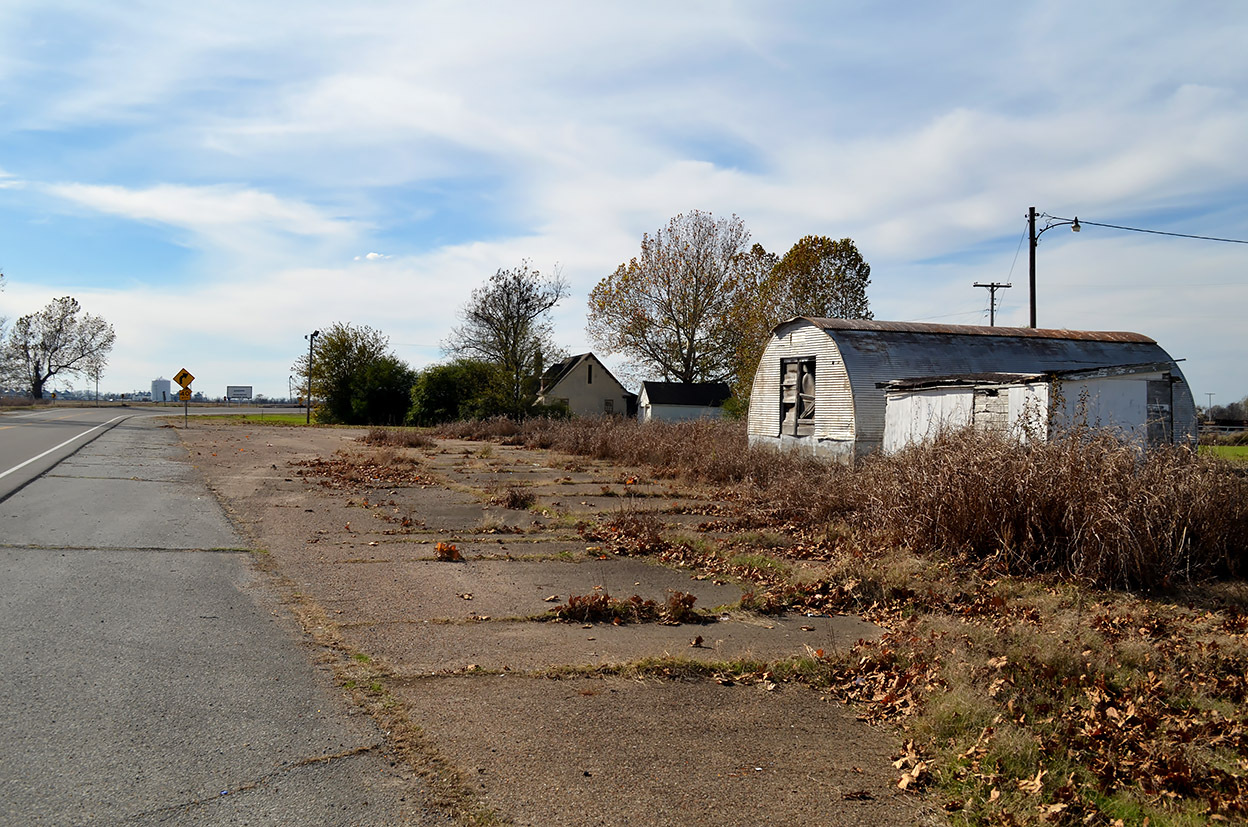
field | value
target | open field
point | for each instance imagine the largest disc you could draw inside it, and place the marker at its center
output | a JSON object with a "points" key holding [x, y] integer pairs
{"points": [[256, 418], [1061, 636], [1235, 453]]}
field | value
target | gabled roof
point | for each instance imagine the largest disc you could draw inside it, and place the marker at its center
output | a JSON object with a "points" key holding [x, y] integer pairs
{"points": [[560, 370], [701, 394], [555, 373]]}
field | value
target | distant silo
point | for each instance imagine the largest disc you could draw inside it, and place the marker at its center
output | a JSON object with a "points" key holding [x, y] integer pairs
{"points": [[161, 390]]}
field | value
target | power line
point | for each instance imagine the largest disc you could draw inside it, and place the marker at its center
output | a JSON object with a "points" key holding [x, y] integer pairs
{"points": [[1152, 232]]}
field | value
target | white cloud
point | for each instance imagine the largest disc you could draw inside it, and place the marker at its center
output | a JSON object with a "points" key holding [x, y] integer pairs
{"points": [[461, 142], [204, 208]]}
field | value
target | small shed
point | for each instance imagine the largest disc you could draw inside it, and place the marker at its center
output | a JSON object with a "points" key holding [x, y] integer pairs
{"points": [[678, 401], [585, 385], [1135, 401], [821, 384]]}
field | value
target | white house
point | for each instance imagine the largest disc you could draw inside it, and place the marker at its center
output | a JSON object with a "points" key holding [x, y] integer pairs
{"points": [[585, 385], [822, 384], [677, 401]]}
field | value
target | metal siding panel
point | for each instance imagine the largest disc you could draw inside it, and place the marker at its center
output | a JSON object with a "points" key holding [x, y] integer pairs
{"points": [[764, 415], [874, 356]]}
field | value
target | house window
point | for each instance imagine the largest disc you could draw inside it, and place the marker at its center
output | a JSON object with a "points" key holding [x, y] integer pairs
{"points": [[589, 379], [797, 397], [608, 406]]}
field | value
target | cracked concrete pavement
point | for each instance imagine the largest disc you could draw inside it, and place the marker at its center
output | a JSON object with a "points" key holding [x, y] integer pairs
{"points": [[532, 722]]}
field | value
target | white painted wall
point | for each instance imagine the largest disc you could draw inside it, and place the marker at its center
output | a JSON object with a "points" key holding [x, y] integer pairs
{"points": [[676, 413], [918, 416]]}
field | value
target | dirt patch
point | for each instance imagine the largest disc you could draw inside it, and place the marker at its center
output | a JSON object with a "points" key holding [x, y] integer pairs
{"points": [[462, 653]]}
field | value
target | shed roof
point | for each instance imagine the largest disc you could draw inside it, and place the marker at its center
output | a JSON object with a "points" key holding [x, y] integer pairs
{"points": [[701, 394], [979, 330]]}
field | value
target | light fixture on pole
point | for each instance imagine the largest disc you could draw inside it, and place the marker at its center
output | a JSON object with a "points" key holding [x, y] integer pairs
{"points": [[311, 341], [1053, 221]]}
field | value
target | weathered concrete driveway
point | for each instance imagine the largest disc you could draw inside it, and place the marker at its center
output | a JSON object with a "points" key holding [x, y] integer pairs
{"points": [[515, 719]]}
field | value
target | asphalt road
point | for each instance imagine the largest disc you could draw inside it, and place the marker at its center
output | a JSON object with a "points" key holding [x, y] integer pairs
{"points": [[146, 674], [31, 442]]}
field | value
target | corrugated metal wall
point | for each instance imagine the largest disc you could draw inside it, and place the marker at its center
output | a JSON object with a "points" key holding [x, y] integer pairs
{"points": [[834, 410], [852, 358]]}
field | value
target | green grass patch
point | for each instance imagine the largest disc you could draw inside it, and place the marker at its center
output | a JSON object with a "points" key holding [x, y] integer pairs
{"points": [[1235, 453], [290, 419]]}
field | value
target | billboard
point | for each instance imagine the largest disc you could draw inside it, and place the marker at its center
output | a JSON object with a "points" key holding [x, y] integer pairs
{"points": [[238, 391]]}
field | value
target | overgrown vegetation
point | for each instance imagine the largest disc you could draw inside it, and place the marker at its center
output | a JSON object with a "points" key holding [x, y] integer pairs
{"points": [[600, 607], [398, 437], [1031, 683], [1084, 505]]}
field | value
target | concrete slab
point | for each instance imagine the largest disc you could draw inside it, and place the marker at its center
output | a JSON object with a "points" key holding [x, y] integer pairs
{"points": [[392, 550], [618, 752], [434, 590], [424, 648]]}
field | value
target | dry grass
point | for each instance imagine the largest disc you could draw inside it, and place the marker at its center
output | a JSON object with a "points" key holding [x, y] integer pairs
{"points": [[398, 437], [1086, 506], [600, 607], [1067, 642]]}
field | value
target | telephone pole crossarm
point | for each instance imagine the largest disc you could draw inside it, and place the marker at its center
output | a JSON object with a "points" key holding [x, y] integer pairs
{"points": [[993, 287]]}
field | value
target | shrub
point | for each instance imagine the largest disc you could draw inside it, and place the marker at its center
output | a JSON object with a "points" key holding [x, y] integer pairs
{"points": [[399, 437]]}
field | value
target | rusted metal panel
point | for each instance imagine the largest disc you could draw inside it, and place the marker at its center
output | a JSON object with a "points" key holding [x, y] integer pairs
{"points": [[865, 325]]}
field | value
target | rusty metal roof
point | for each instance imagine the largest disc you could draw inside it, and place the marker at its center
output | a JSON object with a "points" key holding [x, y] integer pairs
{"points": [[978, 330]]}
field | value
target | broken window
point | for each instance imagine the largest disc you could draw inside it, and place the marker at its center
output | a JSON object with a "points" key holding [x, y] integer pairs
{"points": [[797, 397], [608, 406]]}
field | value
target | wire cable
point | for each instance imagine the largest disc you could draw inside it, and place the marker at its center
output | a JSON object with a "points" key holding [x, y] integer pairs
{"points": [[1152, 232]]}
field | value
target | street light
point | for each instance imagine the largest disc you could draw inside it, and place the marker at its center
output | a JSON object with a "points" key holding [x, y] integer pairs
{"points": [[311, 340], [1053, 221]]}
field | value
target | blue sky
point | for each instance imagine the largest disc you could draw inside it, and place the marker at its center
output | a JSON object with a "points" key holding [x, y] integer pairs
{"points": [[219, 179]]}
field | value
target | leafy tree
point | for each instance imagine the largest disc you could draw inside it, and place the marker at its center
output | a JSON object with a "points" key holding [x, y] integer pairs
{"points": [[1231, 411], [358, 381], [381, 392], [58, 339], [462, 389], [817, 277], [670, 308], [504, 323], [823, 278], [754, 314]]}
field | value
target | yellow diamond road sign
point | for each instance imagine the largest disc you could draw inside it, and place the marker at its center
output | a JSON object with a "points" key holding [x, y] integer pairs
{"points": [[184, 378]]}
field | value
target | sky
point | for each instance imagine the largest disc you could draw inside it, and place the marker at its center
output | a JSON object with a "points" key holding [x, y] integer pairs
{"points": [[219, 179]]}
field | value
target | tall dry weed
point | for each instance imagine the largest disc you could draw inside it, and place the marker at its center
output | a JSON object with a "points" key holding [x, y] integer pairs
{"points": [[1085, 504]]}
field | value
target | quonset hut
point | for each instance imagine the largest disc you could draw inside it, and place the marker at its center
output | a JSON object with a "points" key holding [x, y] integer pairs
{"points": [[821, 385]]}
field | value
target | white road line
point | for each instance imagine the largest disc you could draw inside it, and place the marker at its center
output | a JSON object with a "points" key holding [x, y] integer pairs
{"points": [[22, 465]]}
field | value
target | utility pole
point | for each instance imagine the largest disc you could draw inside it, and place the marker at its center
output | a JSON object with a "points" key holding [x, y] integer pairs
{"points": [[993, 287], [1031, 270], [311, 341]]}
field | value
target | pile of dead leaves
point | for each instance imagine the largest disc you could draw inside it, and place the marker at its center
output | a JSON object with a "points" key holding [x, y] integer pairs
{"points": [[358, 473]]}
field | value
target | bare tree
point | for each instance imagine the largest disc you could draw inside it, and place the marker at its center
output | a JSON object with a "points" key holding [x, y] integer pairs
{"points": [[670, 309], [504, 323], [58, 339]]}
